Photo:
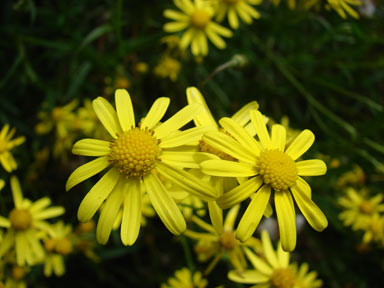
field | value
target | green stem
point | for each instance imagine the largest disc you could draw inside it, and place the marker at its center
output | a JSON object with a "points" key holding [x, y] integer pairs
{"points": [[187, 253]]}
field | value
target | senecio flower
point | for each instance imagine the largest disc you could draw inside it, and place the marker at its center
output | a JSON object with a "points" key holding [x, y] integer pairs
{"points": [[235, 9], [270, 165], [186, 278], [137, 156], [196, 19], [274, 270], [24, 224], [6, 145]]}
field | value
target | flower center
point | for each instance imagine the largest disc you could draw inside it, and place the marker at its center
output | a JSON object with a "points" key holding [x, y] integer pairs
{"points": [[135, 152], [49, 244], [228, 240], [20, 219], [277, 169], [230, 2], [200, 18], [18, 272], [366, 207], [283, 278], [63, 246]]}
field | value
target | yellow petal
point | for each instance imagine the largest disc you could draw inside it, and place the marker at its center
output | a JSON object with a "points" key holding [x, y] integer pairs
{"points": [[216, 216], [240, 193], [7, 241], [268, 250], [311, 212], [301, 144], [282, 256], [175, 26], [16, 192], [178, 120], [187, 182], [40, 204], [230, 218], [58, 265], [175, 15], [303, 186], [186, 137], [205, 118], [215, 39], [220, 29], [242, 116], [224, 168], [259, 264], [49, 213], [91, 147], [262, 132], [252, 216], [157, 111], [247, 277], [4, 222], [278, 137], [241, 135], [229, 145], [96, 196], [109, 212], [86, 171], [130, 225], [107, 116], [185, 159], [313, 167], [286, 219], [164, 205], [124, 109], [232, 18]]}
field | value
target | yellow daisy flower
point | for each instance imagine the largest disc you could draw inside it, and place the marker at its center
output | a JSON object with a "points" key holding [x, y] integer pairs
{"points": [[273, 270], [196, 18], [6, 145], [137, 156], [168, 67], [354, 177], [186, 278], [212, 244], [24, 224], [57, 245], [358, 206], [373, 227], [234, 9], [270, 165], [16, 277]]}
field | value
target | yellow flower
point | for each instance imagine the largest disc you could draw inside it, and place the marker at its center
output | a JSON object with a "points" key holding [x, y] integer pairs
{"points": [[186, 278], [6, 145], [196, 19], [57, 245], [212, 244], [305, 279], [24, 224], [273, 270], [237, 8], [168, 67], [357, 206], [373, 227], [137, 155], [270, 165], [16, 278], [354, 177]]}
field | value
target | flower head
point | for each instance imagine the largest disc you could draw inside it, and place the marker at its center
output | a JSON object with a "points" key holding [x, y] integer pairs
{"points": [[196, 18], [270, 166], [273, 270], [186, 278], [137, 155], [358, 206], [6, 145], [25, 224]]}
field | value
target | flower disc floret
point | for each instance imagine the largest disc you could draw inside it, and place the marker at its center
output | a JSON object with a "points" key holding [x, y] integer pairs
{"points": [[200, 18], [277, 169], [228, 240], [230, 2], [21, 219], [63, 246], [283, 278], [135, 152], [366, 207]]}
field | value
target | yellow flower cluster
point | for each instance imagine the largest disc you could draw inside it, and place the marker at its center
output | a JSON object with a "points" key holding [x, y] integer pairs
{"points": [[364, 212]]}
